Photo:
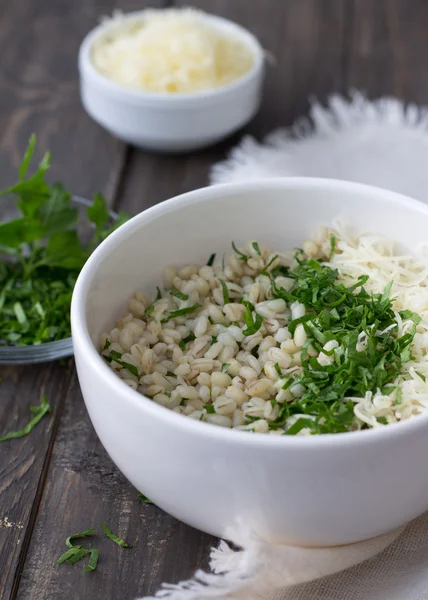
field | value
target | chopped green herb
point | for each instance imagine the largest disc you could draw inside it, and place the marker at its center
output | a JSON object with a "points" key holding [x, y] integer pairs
{"points": [[421, 375], [158, 294], [41, 255], [149, 310], [382, 420], [224, 367], [256, 248], [93, 560], [170, 374], [270, 263], [39, 412], [210, 409], [340, 313], [178, 294], [107, 344], [114, 538], [190, 338], [181, 312], [213, 339], [75, 553], [278, 369], [131, 368], [241, 255], [332, 246], [144, 499], [398, 396], [211, 260], [75, 536], [225, 292], [117, 357], [252, 324]]}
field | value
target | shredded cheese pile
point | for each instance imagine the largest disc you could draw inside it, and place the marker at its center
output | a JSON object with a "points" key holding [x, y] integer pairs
{"points": [[375, 256], [173, 51]]}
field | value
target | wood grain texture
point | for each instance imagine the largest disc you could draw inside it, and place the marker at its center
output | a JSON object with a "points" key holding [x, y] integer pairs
{"points": [[39, 93], [385, 48], [84, 489], [306, 38], [60, 480], [24, 461]]}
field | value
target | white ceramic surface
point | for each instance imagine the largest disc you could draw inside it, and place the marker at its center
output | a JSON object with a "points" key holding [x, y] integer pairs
{"points": [[171, 122], [318, 490]]}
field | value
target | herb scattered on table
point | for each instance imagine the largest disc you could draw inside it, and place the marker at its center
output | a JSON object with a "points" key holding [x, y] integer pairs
{"points": [[39, 412], [75, 553], [41, 255], [144, 498], [114, 538]]}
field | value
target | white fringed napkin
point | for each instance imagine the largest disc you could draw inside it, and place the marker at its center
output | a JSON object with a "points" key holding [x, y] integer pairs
{"points": [[381, 143]]}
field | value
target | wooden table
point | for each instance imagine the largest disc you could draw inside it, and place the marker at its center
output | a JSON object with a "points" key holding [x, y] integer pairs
{"points": [[59, 480]]}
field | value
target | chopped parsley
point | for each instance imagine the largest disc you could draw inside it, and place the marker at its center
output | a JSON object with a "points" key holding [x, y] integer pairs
{"points": [[39, 412], [113, 537], [75, 553], [144, 499], [41, 255], [117, 357], [241, 255], [178, 294], [211, 260], [181, 312], [340, 313], [253, 324], [225, 291]]}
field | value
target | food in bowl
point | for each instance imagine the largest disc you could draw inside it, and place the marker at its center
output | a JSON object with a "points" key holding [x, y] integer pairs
{"points": [[327, 339], [170, 51]]}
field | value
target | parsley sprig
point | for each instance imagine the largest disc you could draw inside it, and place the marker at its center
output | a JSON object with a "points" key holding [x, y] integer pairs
{"points": [[41, 255]]}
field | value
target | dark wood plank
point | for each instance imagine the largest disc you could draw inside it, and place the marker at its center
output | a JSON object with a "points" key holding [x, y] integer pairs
{"points": [[39, 92], [83, 490], [307, 39], [23, 461], [386, 46]]}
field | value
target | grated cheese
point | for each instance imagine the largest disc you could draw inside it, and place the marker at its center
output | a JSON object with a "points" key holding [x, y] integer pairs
{"points": [[173, 51], [373, 255]]}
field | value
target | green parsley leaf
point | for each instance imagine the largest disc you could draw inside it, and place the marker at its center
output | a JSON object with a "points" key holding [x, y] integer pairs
{"points": [[225, 291], [252, 324], [39, 412], [224, 367], [178, 294], [98, 213], [144, 498], [211, 260], [241, 255], [113, 537], [93, 560], [41, 255], [256, 248], [181, 312]]}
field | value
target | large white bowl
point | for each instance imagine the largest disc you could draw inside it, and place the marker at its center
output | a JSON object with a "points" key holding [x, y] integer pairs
{"points": [[171, 122], [319, 490]]}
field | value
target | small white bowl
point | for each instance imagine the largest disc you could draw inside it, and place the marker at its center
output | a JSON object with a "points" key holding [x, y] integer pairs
{"points": [[314, 491], [171, 122]]}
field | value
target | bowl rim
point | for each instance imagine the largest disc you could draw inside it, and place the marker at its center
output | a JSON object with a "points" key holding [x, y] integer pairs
{"points": [[89, 353], [88, 70]]}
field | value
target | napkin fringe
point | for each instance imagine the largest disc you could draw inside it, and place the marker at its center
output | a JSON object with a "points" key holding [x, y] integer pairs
{"points": [[244, 160]]}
